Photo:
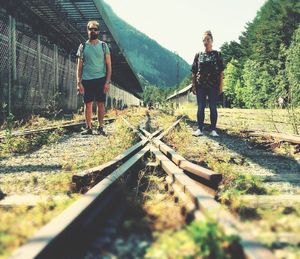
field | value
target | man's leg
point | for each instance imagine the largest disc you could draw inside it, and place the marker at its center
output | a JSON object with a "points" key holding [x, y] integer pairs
{"points": [[88, 111], [100, 113]]}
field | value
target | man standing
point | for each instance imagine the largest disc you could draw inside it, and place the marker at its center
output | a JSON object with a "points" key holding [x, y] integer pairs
{"points": [[93, 75]]}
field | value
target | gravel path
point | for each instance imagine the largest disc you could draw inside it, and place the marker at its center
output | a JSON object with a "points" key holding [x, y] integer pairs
{"points": [[47, 161], [248, 156]]}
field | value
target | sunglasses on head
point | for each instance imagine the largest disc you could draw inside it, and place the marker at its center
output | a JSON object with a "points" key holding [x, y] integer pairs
{"points": [[93, 29]]}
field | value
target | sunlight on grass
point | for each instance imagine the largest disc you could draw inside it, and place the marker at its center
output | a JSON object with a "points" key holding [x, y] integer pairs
{"points": [[19, 223]]}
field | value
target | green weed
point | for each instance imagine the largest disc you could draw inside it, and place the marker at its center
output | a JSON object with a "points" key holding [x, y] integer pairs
{"points": [[26, 221], [200, 239]]}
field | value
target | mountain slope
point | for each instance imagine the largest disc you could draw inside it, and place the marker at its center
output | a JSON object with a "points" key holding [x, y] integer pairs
{"points": [[154, 63]]}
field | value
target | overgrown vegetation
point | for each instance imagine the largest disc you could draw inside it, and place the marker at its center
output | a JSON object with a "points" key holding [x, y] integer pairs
{"points": [[173, 238], [276, 224], [200, 239], [234, 182], [21, 222], [18, 223], [23, 144], [263, 69]]}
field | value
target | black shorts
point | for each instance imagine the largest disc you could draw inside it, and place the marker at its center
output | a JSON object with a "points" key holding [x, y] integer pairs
{"points": [[94, 90]]}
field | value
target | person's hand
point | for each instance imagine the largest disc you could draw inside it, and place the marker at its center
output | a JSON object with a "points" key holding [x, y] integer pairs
{"points": [[80, 88], [194, 89], [106, 87], [220, 90], [198, 75]]}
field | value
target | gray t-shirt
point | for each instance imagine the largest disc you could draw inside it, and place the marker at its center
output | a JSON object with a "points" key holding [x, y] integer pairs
{"points": [[93, 60]]}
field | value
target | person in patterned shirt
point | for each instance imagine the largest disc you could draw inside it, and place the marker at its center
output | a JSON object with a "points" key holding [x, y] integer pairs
{"points": [[207, 81]]}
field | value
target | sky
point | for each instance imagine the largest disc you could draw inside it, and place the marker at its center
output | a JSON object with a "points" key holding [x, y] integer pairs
{"points": [[178, 25]]}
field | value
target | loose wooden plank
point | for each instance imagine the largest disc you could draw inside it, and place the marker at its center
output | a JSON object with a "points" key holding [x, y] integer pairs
{"points": [[269, 200], [290, 178], [92, 175], [184, 164], [280, 136]]}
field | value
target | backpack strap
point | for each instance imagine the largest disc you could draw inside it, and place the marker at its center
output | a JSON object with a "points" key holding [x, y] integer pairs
{"points": [[103, 46]]}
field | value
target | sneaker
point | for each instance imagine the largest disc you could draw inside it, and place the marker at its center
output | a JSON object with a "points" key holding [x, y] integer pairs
{"points": [[87, 131], [101, 131], [213, 133], [197, 133]]}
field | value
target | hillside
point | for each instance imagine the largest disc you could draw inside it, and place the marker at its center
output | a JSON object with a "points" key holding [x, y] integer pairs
{"points": [[154, 63]]}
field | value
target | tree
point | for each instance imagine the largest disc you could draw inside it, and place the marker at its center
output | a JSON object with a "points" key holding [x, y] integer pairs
{"points": [[232, 77], [293, 69], [273, 25], [231, 50], [258, 84]]}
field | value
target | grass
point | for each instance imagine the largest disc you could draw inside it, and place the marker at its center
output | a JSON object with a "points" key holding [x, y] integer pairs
{"points": [[269, 221], [173, 238], [246, 119], [200, 239], [19, 223], [49, 184], [22, 144], [218, 159], [161, 120]]}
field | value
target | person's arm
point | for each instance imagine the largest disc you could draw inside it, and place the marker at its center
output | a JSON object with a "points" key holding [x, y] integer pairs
{"points": [[194, 73], [79, 75], [221, 67], [108, 72], [194, 77], [221, 82]]}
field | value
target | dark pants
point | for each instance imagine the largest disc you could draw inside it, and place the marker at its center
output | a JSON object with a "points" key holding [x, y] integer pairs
{"points": [[94, 90], [212, 94]]}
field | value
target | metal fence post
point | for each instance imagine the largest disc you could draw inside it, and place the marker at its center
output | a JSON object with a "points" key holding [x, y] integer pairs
{"points": [[72, 101], [39, 67], [12, 56], [55, 72]]}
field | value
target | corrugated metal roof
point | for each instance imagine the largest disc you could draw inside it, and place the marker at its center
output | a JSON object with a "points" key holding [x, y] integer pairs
{"points": [[64, 21], [182, 91]]}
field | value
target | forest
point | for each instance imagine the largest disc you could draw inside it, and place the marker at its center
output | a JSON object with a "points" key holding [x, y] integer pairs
{"points": [[262, 70]]}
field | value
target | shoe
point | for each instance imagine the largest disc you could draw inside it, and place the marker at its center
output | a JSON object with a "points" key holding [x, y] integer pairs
{"points": [[198, 133], [87, 131], [100, 131], [213, 133]]}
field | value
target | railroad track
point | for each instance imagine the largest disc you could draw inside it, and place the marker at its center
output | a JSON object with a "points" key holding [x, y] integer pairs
{"points": [[70, 233], [275, 136], [290, 138], [68, 126]]}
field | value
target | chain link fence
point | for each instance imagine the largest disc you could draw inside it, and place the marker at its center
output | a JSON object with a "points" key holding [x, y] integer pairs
{"points": [[38, 76]]}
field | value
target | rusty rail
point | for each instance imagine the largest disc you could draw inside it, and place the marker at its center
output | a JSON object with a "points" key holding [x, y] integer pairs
{"points": [[49, 129]]}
